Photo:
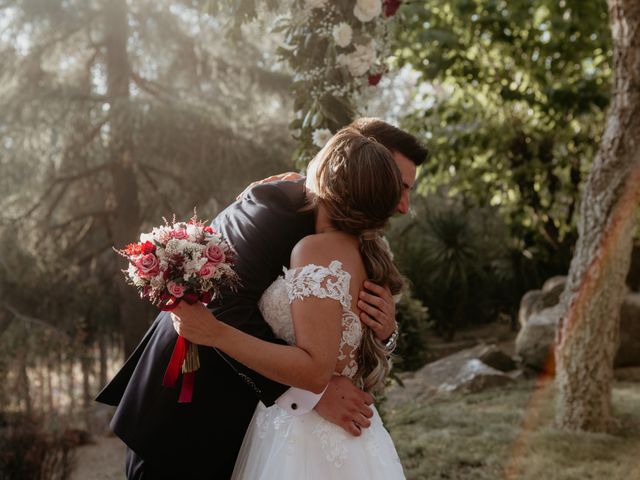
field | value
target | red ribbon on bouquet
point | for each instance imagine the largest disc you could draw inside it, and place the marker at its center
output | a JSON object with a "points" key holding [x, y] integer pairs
{"points": [[173, 371], [180, 350]]}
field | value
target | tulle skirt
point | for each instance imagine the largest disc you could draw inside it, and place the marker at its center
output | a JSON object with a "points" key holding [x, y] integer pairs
{"points": [[280, 446]]}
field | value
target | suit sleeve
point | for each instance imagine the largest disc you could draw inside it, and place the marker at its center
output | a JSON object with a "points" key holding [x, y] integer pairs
{"points": [[263, 226]]}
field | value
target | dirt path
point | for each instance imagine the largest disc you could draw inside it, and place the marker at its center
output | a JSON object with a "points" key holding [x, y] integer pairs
{"points": [[102, 460]]}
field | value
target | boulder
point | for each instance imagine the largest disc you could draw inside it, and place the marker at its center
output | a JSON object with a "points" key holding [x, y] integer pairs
{"points": [[495, 358], [555, 285], [534, 343], [464, 371], [474, 376], [535, 301]]}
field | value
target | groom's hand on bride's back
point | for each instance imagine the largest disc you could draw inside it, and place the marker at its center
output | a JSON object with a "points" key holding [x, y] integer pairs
{"points": [[378, 310], [345, 405]]}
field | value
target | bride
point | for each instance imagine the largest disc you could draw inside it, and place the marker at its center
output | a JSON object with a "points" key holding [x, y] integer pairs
{"points": [[354, 186]]}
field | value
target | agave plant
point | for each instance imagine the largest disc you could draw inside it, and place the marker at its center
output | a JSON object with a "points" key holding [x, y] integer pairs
{"points": [[457, 259]]}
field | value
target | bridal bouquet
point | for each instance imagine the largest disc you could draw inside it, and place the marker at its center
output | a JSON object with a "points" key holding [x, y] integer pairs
{"points": [[181, 261]]}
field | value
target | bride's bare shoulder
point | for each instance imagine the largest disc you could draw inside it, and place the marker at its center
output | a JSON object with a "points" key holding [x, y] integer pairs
{"points": [[323, 248]]}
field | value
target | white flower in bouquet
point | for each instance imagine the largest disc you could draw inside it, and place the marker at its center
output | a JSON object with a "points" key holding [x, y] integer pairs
{"points": [[158, 281], [146, 237], [192, 267], [193, 231], [360, 60], [137, 281], [342, 34], [321, 136], [367, 10]]}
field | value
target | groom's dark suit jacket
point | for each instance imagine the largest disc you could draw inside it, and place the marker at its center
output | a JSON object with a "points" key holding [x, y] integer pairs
{"points": [[201, 439]]}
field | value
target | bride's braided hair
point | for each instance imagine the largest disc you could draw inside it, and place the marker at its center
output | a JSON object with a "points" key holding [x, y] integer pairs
{"points": [[360, 185]]}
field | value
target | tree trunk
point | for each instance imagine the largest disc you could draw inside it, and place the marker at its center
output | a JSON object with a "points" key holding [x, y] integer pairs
{"points": [[50, 402], [126, 219], [71, 382], [87, 366], [587, 337], [103, 352], [22, 381]]}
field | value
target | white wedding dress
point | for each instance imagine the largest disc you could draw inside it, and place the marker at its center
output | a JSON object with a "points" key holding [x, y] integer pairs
{"points": [[280, 446]]}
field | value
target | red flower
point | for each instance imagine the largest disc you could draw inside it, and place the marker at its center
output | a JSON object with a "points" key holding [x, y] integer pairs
{"points": [[375, 79], [390, 7], [148, 247], [133, 249], [209, 230]]}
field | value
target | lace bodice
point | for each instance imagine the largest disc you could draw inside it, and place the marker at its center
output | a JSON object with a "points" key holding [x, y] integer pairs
{"points": [[317, 281]]}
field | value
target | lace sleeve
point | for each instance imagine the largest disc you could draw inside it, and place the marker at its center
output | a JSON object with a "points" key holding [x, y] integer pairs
{"points": [[318, 281]]}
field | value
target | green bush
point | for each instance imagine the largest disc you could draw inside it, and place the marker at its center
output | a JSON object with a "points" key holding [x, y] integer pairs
{"points": [[413, 323], [462, 262]]}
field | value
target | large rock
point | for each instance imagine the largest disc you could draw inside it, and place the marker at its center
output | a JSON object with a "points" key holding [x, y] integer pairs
{"points": [[535, 301], [629, 352], [464, 371], [494, 357], [474, 375], [534, 343]]}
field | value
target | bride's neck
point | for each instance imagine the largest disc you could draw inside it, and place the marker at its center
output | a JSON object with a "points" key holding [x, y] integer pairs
{"points": [[323, 224]]}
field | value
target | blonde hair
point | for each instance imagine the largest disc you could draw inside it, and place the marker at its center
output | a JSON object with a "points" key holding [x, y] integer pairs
{"points": [[360, 186]]}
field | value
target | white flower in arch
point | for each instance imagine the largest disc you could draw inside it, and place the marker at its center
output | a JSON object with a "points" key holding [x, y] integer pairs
{"points": [[342, 34], [321, 136], [367, 10]]}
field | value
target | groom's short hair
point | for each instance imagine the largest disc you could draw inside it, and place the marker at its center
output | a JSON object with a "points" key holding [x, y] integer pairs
{"points": [[395, 139]]}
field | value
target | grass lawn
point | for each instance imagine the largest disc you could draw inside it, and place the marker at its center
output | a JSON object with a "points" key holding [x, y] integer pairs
{"points": [[507, 433]]}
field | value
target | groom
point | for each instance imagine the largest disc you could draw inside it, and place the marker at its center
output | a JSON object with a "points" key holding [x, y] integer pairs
{"points": [[201, 439]]}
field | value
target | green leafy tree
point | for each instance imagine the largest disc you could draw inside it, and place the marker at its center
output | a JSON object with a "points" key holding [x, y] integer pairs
{"points": [[512, 98]]}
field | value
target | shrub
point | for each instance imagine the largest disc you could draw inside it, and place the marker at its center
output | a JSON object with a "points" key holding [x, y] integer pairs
{"points": [[27, 451], [413, 323], [462, 262]]}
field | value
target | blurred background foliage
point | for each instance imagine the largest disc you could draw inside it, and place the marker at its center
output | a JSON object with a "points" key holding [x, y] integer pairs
{"points": [[189, 101], [510, 97]]}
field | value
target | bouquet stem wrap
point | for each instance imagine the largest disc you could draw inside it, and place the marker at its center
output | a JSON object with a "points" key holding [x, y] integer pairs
{"points": [[183, 359]]}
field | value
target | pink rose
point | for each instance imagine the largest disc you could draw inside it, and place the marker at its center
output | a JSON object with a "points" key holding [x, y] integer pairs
{"points": [[214, 254], [180, 234], [148, 265], [175, 289], [207, 270]]}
